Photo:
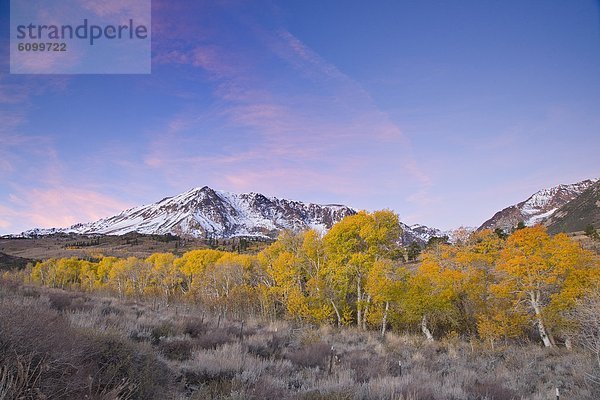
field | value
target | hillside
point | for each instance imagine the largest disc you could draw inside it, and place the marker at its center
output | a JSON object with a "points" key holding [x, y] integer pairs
{"points": [[538, 207], [580, 212]]}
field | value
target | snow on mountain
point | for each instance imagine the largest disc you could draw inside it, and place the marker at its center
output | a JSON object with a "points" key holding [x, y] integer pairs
{"points": [[418, 233], [207, 213], [539, 207], [204, 212], [577, 214]]}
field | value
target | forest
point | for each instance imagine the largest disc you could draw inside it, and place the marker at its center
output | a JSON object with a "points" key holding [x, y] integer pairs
{"points": [[488, 286]]}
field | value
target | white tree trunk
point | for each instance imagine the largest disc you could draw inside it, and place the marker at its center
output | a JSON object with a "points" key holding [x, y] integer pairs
{"points": [[358, 305], [534, 297], [425, 329], [337, 314], [384, 319], [365, 312]]}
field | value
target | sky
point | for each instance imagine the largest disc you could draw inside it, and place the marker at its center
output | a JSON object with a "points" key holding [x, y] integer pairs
{"points": [[444, 112]]}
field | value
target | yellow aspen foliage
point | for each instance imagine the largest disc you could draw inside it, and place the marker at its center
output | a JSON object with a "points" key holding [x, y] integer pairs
{"points": [[88, 275], [40, 273], [353, 245], [192, 265], [296, 304], [102, 273], [385, 285], [487, 284], [57, 273], [293, 266], [313, 253], [433, 293], [501, 323], [165, 277], [535, 268]]}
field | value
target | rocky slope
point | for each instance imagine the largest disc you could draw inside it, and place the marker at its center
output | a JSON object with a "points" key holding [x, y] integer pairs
{"points": [[418, 233], [207, 213], [539, 207], [577, 214]]}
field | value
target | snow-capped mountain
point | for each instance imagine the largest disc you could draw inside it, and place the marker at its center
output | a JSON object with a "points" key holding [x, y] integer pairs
{"points": [[418, 233], [205, 213], [538, 208], [579, 213]]}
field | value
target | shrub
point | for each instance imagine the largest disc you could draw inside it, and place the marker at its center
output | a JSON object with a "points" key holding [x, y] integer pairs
{"points": [[318, 395], [365, 365], [60, 301], [311, 355], [43, 356], [141, 335], [159, 332], [489, 389], [265, 388], [214, 338], [114, 362], [29, 291], [265, 346], [110, 310], [194, 327], [178, 349]]}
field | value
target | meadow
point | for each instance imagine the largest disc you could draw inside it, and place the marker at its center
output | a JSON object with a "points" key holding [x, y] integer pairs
{"points": [[57, 344]]}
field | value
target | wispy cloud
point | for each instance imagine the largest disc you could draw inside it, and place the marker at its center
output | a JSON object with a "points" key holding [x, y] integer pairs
{"points": [[318, 128], [281, 120], [290, 48], [138, 10], [59, 206]]}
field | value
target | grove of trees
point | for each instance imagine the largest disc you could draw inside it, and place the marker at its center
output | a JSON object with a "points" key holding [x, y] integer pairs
{"points": [[488, 286]]}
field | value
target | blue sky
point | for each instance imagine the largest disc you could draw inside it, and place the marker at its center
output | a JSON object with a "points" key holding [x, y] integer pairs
{"points": [[443, 111]]}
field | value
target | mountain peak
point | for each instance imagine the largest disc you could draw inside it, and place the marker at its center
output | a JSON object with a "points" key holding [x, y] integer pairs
{"points": [[539, 207], [205, 212]]}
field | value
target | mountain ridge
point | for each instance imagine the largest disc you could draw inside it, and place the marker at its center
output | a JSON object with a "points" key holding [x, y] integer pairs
{"points": [[576, 215], [203, 212], [538, 207]]}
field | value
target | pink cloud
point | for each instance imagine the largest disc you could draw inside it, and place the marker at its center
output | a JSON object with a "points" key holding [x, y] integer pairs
{"points": [[8, 122], [214, 60], [18, 92], [171, 57], [324, 136], [276, 181], [56, 207], [45, 62], [11, 93]]}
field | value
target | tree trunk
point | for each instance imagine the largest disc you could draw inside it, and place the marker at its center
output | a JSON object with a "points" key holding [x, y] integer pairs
{"points": [[337, 314], [540, 323], [425, 329], [384, 319], [358, 305], [551, 337], [365, 312]]}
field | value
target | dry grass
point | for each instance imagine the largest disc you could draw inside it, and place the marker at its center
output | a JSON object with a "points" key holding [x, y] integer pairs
{"points": [[69, 345]]}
